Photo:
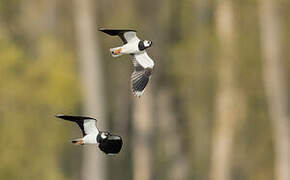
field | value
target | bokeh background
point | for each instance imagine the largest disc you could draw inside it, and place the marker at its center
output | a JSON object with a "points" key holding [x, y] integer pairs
{"points": [[217, 105]]}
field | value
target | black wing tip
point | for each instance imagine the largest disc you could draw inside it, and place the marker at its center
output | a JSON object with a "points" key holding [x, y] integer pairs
{"points": [[139, 84], [112, 29], [59, 115], [101, 29], [69, 117]]}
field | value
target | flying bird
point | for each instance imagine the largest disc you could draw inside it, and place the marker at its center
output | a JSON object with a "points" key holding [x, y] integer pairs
{"points": [[108, 143], [143, 64]]}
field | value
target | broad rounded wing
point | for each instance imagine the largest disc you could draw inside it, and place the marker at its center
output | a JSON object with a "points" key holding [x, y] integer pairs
{"points": [[140, 77], [86, 124], [126, 35], [130, 36], [144, 60]]}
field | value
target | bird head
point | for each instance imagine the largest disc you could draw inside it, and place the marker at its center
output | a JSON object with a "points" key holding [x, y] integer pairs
{"points": [[147, 43], [109, 143], [144, 45], [102, 136]]}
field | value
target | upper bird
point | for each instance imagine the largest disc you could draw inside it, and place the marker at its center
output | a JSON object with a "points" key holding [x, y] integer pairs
{"points": [[143, 64], [108, 143]]}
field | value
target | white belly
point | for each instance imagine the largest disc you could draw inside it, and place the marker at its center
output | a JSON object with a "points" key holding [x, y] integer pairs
{"points": [[90, 139], [130, 48]]}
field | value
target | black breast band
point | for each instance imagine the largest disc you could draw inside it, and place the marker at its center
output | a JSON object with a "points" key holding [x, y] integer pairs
{"points": [[141, 46]]}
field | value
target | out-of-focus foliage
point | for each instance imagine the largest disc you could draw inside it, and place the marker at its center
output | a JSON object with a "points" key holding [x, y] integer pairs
{"points": [[38, 79], [32, 91]]}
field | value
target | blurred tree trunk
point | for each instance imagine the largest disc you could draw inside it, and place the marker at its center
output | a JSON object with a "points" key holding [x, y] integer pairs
{"points": [[228, 99], [200, 102], [173, 162], [43, 22], [93, 166], [143, 108], [275, 85], [142, 132], [170, 140], [36, 20]]}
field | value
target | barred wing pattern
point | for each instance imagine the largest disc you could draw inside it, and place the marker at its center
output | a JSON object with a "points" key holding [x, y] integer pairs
{"points": [[140, 77]]}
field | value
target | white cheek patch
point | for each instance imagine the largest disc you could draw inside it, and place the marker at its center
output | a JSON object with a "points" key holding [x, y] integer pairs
{"points": [[146, 43], [103, 136]]}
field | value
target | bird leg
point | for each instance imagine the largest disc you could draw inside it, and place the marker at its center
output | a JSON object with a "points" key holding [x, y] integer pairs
{"points": [[81, 142], [78, 142]]}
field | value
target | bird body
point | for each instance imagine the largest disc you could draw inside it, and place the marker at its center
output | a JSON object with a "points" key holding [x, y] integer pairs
{"points": [[133, 46], [128, 48], [107, 142]]}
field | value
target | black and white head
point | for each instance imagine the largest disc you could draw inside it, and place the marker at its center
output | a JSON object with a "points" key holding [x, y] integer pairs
{"points": [[102, 136], [147, 43], [144, 45], [109, 143]]}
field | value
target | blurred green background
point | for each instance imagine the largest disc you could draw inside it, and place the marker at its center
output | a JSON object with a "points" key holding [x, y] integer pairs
{"points": [[217, 105]]}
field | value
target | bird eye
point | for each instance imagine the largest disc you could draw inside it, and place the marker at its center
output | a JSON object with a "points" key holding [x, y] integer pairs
{"points": [[147, 43]]}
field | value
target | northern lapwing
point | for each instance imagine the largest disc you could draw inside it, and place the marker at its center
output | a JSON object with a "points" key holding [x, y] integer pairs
{"points": [[143, 64], [107, 142]]}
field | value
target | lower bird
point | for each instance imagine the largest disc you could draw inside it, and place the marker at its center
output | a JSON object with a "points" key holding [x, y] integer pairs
{"points": [[108, 143], [143, 64]]}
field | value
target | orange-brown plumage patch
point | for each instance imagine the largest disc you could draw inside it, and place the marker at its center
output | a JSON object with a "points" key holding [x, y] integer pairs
{"points": [[81, 142], [118, 51]]}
